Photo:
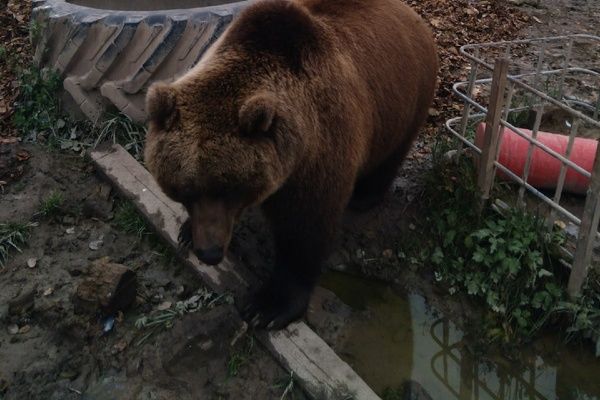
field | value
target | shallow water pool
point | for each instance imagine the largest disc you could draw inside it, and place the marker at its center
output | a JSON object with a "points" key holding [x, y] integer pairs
{"points": [[394, 338]]}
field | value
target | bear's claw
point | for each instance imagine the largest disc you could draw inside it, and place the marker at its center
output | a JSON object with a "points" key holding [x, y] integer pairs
{"points": [[185, 235], [272, 309]]}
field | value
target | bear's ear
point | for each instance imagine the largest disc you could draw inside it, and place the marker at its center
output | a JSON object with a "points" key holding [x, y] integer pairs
{"points": [[161, 105], [257, 115]]}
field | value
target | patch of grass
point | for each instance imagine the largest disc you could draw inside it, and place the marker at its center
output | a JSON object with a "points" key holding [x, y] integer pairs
{"points": [[13, 235], [37, 108], [508, 261], [51, 205], [287, 385], [121, 129], [3, 54], [128, 219], [35, 31], [204, 299], [240, 356], [583, 314], [39, 117]]}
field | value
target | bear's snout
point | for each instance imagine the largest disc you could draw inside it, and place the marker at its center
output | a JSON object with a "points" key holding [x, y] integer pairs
{"points": [[211, 256]]}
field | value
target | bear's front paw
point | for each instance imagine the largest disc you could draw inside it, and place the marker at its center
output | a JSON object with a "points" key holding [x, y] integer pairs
{"points": [[275, 306], [185, 235]]}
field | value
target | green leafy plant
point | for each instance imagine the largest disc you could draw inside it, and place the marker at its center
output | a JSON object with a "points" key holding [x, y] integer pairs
{"points": [[37, 108], [583, 314], [508, 261]]}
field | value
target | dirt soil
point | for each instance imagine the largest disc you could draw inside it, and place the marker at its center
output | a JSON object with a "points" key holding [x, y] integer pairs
{"points": [[50, 352], [58, 354]]}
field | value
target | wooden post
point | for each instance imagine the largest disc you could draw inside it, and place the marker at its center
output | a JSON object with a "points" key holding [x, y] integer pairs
{"points": [[489, 150], [316, 367], [587, 231]]}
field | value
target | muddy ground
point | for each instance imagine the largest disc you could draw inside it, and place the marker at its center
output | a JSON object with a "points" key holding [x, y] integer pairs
{"points": [[58, 354], [50, 352]]}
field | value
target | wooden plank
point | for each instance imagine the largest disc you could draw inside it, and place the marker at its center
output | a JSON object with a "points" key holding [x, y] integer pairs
{"points": [[489, 149], [320, 372], [587, 232]]}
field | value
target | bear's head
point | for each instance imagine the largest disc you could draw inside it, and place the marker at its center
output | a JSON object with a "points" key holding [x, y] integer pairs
{"points": [[218, 150], [229, 133]]}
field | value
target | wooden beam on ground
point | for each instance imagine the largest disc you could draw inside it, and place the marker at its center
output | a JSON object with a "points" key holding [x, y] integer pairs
{"points": [[320, 372]]}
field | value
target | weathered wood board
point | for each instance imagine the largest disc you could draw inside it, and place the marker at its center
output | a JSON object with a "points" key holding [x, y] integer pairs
{"points": [[322, 374]]}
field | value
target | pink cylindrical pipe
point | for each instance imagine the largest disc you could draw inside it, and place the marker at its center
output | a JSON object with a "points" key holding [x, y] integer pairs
{"points": [[545, 168]]}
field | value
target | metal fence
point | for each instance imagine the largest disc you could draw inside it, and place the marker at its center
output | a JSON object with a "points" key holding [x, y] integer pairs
{"points": [[530, 84]]}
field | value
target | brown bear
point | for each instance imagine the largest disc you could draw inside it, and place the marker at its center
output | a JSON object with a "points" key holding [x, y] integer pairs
{"points": [[300, 106]]}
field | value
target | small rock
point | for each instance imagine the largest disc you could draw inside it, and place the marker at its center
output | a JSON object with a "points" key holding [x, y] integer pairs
{"points": [[412, 227], [70, 230], [24, 329], [13, 329], [96, 244], [68, 220], [48, 291], [32, 262], [110, 287], [164, 306], [207, 345]]}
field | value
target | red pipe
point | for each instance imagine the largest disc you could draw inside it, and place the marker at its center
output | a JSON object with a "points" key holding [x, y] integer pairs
{"points": [[545, 168]]}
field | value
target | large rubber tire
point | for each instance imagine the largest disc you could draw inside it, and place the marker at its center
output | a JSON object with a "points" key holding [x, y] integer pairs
{"points": [[108, 58]]}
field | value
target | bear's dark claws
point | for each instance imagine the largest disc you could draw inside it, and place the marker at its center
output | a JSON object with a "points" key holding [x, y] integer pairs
{"points": [[185, 235], [273, 308]]}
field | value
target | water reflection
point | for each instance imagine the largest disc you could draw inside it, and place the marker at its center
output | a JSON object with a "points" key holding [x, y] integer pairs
{"points": [[394, 338]]}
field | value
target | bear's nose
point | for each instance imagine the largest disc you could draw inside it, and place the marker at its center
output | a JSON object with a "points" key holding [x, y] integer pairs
{"points": [[210, 256]]}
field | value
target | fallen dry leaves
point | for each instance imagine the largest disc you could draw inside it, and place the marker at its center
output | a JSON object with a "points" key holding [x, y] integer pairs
{"points": [[456, 23], [15, 52]]}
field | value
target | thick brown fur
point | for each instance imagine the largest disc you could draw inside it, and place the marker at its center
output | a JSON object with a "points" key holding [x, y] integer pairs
{"points": [[300, 106]]}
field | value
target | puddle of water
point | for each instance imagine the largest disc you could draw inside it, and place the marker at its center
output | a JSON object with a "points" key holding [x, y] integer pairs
{"points": [[394, 338]]}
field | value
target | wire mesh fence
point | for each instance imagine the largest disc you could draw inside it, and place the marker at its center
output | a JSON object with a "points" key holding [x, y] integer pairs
{"points": [[531, 114]]}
